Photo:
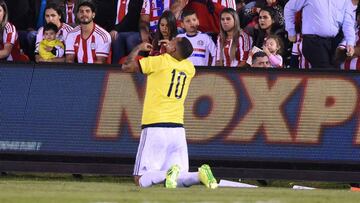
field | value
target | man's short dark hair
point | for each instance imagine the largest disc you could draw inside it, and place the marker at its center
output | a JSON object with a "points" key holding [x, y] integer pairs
{"points": [[258, 54], [187, 12], [51, 26], [87, 3], [185, 47]]}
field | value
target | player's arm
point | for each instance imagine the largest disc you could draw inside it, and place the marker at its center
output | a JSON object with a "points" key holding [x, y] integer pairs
{"points": [[131, 64]]}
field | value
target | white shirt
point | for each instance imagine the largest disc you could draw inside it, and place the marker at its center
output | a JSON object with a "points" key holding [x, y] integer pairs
{"points": [[203, 46], [322, 17], [86, 50]]}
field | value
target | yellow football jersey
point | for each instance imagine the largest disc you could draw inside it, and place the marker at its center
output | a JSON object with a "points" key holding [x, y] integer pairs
{"points": [[52, 43], [167, 85]]}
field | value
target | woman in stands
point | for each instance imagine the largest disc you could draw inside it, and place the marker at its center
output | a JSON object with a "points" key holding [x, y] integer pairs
{"points": [[165, 32], [268, 24], [53, 14], [233, 44], [9, 45]]}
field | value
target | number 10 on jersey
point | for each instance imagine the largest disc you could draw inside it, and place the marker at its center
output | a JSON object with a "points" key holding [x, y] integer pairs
{"points": [[178, 85]]}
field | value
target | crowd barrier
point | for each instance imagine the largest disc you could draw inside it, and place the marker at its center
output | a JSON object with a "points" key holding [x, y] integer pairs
{"points": [[249, 123]]}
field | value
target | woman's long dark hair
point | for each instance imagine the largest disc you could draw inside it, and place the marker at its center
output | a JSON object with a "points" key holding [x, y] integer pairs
{"points": [[171, 23], [236, 33], [275, 27]]}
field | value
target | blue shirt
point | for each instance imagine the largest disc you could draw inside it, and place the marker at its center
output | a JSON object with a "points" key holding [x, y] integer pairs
{"points": [[322, 17]]}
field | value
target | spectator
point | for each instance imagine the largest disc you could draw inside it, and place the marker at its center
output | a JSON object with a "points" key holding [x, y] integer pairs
{"points": [[50, 47], [125, 34], [149, 17], [68, 7], [321, 22], [151, 12], [233, 44], [208, 13], [202, 43], [260, 60], [165, 32], [350, 62], [275, 4], [272, 48], [53, 14], [28, 16], [268, 25], [88, 42], [9, 46]]}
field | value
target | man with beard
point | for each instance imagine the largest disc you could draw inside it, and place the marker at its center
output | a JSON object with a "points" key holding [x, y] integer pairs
{"points": [[88, 42]]}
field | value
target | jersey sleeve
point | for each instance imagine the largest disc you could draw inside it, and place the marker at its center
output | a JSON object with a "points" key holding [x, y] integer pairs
{"points": [[103, 49], [149, 64], [10, 34], [59, 46], [69, 44]]}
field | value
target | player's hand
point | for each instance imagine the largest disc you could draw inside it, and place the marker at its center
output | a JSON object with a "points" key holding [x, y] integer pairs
{"points": [[113, 35], [292, 38], [164, 42], [350, 50], [145, 46]]}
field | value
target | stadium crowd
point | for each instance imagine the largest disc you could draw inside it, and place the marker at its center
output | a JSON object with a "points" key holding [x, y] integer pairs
{"points": [[290, 33]]}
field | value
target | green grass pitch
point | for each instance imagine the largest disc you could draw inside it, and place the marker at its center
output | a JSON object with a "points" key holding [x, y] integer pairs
{"points": [[65, 189]]}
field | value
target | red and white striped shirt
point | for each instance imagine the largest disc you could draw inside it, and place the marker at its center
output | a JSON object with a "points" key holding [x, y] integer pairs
{"points": [[10, 36], [70, 15], [241, 53], [297, 51], [155, 8], [122, 10], [86, 50], [226, 3], [353, 63], [60, 35]]}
